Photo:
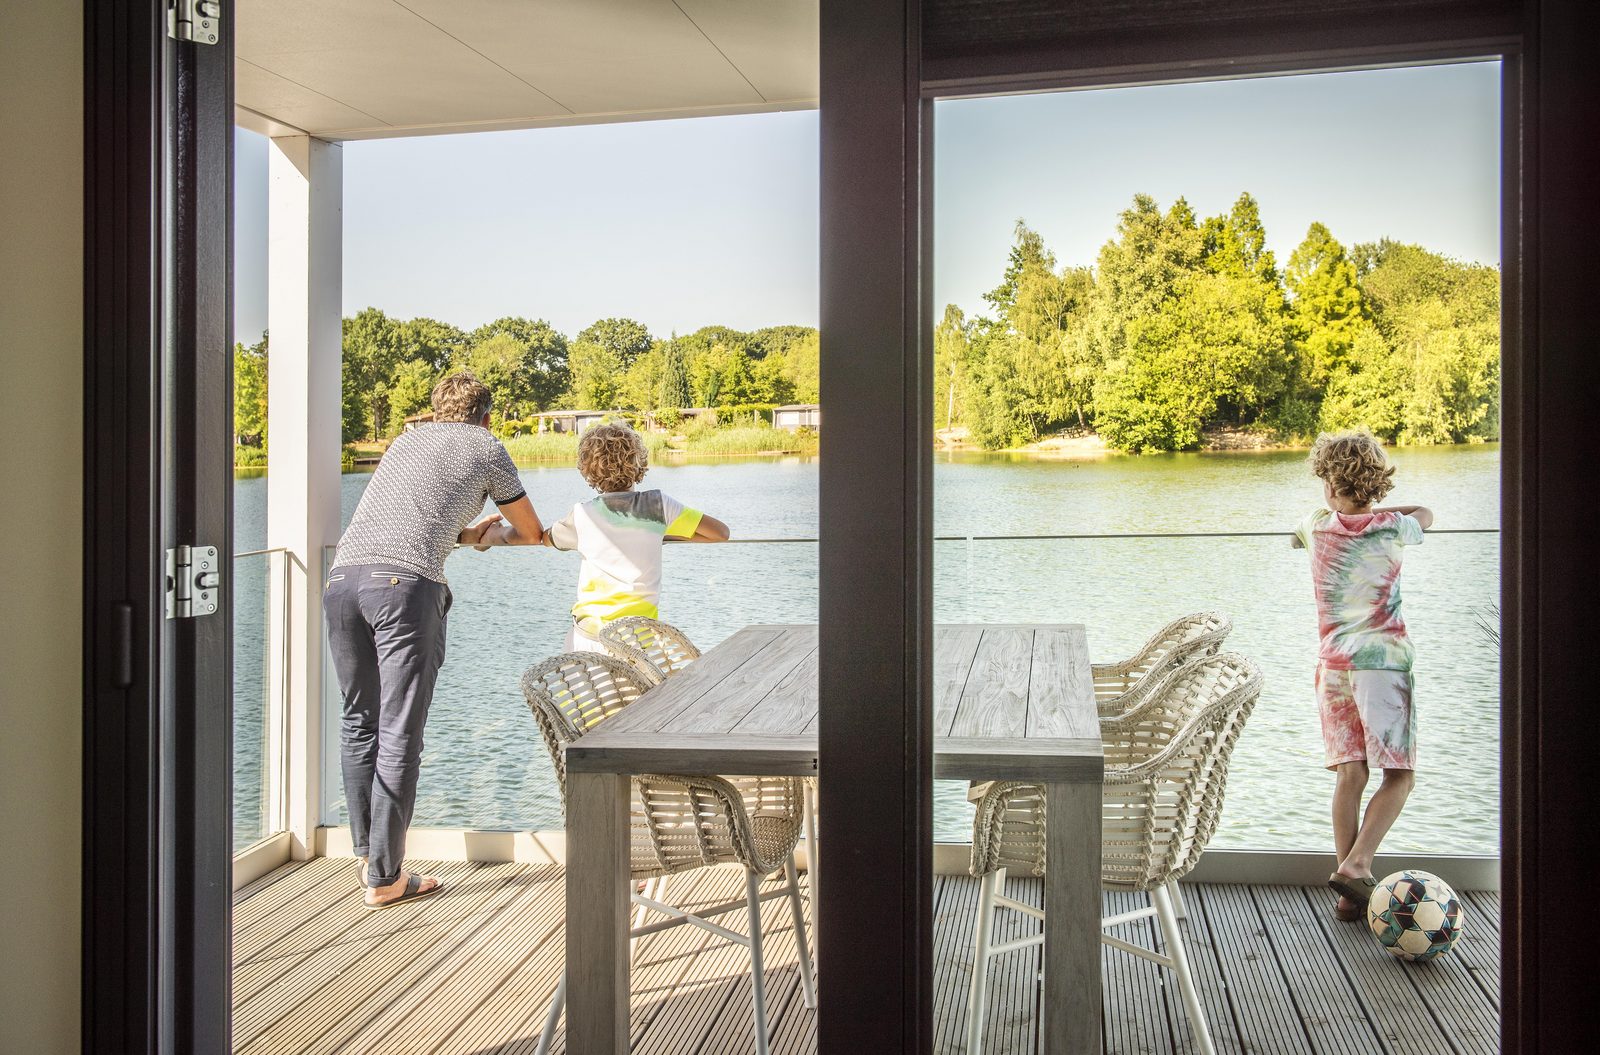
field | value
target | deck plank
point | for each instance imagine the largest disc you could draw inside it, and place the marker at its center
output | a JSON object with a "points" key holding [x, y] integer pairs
{"points": [[1266, 1018], [472, 973], [1135, 1010], [1334, 1021]]}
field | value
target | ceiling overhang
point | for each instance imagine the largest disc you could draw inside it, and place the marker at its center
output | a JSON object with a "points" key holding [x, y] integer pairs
{"points": [[376, 69]]}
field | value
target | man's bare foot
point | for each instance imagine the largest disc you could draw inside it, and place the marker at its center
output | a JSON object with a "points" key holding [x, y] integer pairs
{"points": [[401, 889]]}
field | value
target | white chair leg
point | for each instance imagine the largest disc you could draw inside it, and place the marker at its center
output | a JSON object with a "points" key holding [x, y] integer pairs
{"points": [[1180, 957], [758, 980], [978, 998], [548, 1035], [1178, 906], [808, 987], [652, 890], [811, 850]]}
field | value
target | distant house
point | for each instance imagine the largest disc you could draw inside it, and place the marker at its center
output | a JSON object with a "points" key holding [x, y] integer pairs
{"points": [[797, 416], [416, 419], [569, 420]]}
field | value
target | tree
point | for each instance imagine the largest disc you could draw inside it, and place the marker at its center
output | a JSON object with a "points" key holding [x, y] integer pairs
{"points": [[738, 383], [542, 372], [674, 378], [804, 369], [410, 392], [1328, 310], [373, 345], [498, 360], [250, 394], [625, 339], [641, 382], [596, 376], [952, 349], [706, 370]]}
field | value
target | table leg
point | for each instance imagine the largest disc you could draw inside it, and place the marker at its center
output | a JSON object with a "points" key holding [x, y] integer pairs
{"points": [[597, 913], [1070, 1012]]}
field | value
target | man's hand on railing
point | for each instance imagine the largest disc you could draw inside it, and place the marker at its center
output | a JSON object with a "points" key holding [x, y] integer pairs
{"points": [[472, 535]]}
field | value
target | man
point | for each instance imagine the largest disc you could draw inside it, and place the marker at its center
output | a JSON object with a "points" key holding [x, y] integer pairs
{"points": [[386, 602]]}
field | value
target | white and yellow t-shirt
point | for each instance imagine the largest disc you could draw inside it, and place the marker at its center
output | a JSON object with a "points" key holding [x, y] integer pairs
{"points": [[619, 536]]}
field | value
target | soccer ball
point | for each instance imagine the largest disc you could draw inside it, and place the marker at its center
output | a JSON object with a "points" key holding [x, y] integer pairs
{"points": [[1415, 915]]}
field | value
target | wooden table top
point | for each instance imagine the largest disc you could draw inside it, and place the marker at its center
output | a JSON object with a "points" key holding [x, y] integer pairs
{"points": [[1013, 702]]}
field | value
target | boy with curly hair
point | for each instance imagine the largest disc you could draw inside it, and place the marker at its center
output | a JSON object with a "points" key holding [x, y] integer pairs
{"points": [[619, 534], [1364, 683]]}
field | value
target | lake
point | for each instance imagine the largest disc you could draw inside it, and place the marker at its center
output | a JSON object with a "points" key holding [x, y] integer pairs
{"points": [[484, 765]]}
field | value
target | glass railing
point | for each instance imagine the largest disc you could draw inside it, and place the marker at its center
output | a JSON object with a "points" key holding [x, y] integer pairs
{"points": [[253, 685], [485, 767]]}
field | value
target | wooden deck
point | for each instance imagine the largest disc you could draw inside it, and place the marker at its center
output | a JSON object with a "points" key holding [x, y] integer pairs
{"points": [[470, 972]]}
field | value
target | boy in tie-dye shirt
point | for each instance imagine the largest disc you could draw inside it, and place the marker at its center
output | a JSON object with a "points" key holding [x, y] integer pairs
{"points": [[1364, 684], [619, 534]]}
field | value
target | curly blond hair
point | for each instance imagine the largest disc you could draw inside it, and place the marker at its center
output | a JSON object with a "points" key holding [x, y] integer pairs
{"points": [[460, 397], [612, 458], [1354, 465]]}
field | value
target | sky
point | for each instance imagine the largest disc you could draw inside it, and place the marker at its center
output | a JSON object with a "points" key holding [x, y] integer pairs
{"points": [[682, 224]]}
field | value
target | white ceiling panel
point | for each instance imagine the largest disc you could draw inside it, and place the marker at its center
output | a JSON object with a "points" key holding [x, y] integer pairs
{"points": [[602, 56], [772, 42], [269, 94], [382, 59], [349, 69]]}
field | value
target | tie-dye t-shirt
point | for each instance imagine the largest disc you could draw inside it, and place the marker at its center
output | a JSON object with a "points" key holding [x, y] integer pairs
{"points": [[1355, 569], [619, 536]]}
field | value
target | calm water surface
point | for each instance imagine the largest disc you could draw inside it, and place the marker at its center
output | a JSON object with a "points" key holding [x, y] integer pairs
{"points": [[485, 767]]}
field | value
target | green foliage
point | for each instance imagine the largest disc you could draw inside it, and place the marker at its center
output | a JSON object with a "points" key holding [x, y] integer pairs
{"points": [[410, 392], [249, 457], [625, 339], [595, 376], [804, 369], [674, 392], [250, 396], [1186, 324], [538, 373]]}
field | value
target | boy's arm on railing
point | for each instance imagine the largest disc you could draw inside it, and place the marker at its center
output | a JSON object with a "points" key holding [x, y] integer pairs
{"points": [[710, 529], [1421, 514]]}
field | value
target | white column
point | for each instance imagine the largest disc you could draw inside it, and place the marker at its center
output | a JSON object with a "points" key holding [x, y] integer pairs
{"points": [[305, 234]]}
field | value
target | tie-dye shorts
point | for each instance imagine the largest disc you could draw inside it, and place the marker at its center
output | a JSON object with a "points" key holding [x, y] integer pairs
{"points": [[1367, 715]]}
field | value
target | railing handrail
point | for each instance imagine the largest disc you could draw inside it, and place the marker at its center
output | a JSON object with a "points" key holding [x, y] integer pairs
{"points": [[1088, 536]]}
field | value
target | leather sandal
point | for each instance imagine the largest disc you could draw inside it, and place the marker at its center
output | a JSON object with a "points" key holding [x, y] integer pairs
{"points": [[413, 892], [1357, 890]]}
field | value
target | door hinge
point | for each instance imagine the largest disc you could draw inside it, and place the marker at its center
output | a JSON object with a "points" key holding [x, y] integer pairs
{"points": [[199, 21], [194, 581]]}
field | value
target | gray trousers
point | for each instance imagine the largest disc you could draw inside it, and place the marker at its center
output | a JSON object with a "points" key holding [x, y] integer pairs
{"points": [[386, 628]]}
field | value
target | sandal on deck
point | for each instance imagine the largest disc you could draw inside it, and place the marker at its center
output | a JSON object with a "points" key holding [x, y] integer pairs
{"points": [[1348, 915], [1357, 890], [361, 873], [414, 892]]}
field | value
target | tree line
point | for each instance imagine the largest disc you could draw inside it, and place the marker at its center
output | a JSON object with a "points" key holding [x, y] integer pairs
{"points": [[389, 367], [1184, 324]]}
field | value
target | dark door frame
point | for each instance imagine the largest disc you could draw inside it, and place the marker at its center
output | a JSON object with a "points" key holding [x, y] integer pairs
{"points": [[157, 845], [155, 822], [877, 243]]}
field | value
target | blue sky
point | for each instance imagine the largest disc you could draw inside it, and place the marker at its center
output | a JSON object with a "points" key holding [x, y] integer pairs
{"points": [[681, 224]]}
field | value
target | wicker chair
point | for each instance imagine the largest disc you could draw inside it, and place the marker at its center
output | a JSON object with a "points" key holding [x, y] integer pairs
{"points": [[655, 649], [678, 823], [1118, 687], [1166, 768], [659, 650]]}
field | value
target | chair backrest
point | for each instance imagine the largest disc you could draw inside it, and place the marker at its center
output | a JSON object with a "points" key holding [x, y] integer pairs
{"points": [[655, 649], [1198, 634], [1167, 769], [571, 693]]}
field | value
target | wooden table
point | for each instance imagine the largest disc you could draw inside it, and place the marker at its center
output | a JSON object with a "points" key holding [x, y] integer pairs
{"points": [[1010, 703]]}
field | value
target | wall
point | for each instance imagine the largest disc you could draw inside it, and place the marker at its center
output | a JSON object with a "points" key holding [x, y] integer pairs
{"points": [[41, 504]]}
